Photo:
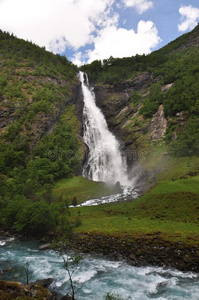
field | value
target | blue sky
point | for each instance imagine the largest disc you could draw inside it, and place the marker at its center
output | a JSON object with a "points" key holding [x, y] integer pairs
{"points": [[85, 30]]}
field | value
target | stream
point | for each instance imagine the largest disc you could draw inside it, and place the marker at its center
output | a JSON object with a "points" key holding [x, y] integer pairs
{"points": [[97, 274]]}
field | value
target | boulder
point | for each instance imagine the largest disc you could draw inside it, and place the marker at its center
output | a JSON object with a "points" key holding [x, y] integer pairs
{"points": [[45, 246], [118, 188], [44, 282]]}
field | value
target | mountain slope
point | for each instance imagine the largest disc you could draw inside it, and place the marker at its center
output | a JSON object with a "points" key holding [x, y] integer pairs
{"points": [[39, 134]]}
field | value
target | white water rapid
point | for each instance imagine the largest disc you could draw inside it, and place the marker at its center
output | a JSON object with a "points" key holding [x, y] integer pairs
{"points": [[104, 162], [95, 274]]}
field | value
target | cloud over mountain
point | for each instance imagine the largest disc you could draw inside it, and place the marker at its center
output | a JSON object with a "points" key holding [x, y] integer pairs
{"points": [[85, 30], [120, 42], [190, 15]]}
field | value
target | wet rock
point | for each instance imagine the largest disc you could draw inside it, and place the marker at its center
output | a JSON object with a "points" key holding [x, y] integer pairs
{"points": [[118, 188], [44, 282], [45, 246]]}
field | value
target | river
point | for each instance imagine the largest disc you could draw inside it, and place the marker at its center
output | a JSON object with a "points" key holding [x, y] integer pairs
{"points": [[97, 274]]}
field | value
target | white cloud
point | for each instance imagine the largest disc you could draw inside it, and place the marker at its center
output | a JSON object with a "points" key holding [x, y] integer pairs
{"points": [[120, 42], [78, 59], [54, 24], [57, 24], [140, 5], [190, 15]]}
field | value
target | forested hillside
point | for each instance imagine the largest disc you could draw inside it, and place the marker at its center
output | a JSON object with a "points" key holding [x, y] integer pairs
{"points": [[38, 138]]}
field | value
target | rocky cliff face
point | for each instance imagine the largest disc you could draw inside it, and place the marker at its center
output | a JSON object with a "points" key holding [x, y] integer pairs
{"points": [[123, 117], [113, 99], [133, 112], [158, 125], [137, 135]]}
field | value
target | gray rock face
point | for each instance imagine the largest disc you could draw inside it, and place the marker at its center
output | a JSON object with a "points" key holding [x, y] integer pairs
{"points": [[158, 124], [113, 99], [110, 102], [139, 83]]}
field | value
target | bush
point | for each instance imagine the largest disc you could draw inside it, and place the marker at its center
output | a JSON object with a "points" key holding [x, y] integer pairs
{"points": [[153, 100], [187, 143], [35, 218], [24, 216]]}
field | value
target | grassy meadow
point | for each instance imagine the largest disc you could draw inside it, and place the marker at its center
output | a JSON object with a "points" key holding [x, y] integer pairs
{"points": [[169, 208]]}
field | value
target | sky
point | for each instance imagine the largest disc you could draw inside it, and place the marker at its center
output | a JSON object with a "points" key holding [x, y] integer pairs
{"points": [[86, 30]]}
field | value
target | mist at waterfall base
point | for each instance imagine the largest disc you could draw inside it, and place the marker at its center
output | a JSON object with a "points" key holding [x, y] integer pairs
{"points": [[97, 274], [105, 161]]}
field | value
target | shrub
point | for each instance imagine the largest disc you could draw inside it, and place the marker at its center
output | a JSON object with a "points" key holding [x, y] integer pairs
{"points": [[153, 100], [187, 143]]}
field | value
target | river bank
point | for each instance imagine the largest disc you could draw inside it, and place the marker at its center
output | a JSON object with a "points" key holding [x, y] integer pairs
{"points": [[15, 290], [147, 250]]}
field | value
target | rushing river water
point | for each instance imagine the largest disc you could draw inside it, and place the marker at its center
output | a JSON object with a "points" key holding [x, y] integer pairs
{"points": [[97, 274]]}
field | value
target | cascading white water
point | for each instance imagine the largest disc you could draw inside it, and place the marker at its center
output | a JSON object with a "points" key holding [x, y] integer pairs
{"points": [[104, 161]]}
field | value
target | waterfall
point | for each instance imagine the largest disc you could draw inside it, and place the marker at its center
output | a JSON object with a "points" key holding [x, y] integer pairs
{"points": [[104, 162]]}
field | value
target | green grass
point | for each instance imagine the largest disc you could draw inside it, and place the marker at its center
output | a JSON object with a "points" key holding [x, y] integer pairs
{"points": [[170, 207], [127, 219], [81, 188], [180, 185]]}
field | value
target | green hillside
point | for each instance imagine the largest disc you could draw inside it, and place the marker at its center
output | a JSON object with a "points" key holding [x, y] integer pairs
{"points": [[38, 132]]}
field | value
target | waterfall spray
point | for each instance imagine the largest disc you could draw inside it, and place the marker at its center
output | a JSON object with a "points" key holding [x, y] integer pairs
{"points": [[105, 162]]}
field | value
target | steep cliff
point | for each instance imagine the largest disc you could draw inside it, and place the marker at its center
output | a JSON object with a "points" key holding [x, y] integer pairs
{"points": [[151, 100]]}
